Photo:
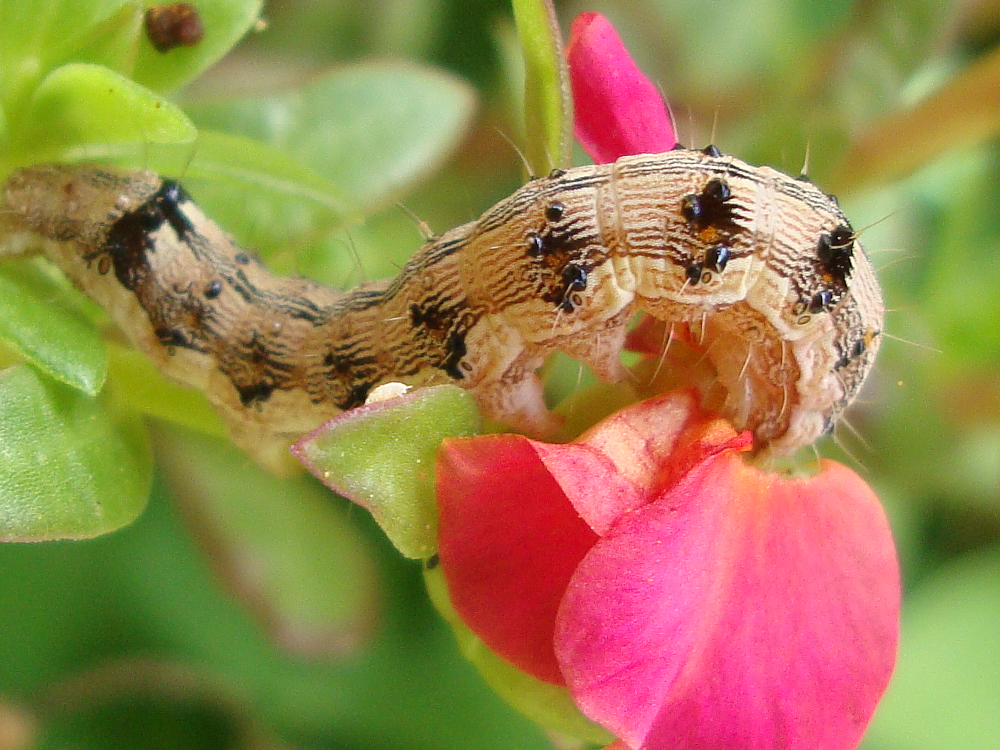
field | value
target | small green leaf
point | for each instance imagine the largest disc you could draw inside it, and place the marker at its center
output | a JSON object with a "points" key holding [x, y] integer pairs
{"points": [[80, 103], [49, 27], [547, 102], [113, 42], [225, 22], [37, 36], [37, 321], [282, 544], [549, 705], [381, 456], [275, 201], [68, 468], [372, 129]]}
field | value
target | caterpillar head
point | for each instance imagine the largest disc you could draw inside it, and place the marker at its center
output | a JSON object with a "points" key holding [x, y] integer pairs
{"points": [[768, 273], [795, 351]]}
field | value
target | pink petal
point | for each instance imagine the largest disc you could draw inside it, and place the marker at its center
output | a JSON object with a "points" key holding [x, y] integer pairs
{"points": [[509, 539], [617, 110], [509, 542], [625, 461], [740, 609], [592, 482]]}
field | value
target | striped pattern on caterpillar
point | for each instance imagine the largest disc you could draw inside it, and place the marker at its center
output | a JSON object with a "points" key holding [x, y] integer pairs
{"points": [[767, 265]]}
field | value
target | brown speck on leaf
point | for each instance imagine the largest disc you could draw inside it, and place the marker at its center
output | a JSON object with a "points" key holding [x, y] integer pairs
{"points": [[174, 25]]}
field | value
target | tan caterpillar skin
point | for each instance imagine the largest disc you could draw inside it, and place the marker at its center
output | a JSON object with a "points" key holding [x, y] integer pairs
{"points": [[766, 267]]}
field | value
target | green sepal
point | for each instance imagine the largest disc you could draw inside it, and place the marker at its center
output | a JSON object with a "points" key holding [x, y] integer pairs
{"points": [[381, 456]]}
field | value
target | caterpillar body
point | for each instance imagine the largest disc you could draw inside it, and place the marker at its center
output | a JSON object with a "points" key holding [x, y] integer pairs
{"points": [[767, 265]]}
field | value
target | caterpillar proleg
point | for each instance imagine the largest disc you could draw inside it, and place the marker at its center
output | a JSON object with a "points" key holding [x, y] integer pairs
{"points": [[769, 267]]}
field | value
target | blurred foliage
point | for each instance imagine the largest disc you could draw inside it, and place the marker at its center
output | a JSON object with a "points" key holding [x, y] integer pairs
{"points": [[195, 625]]}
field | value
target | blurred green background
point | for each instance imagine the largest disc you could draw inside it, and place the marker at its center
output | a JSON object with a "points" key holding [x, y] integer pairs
{"points": [[281, 617]]}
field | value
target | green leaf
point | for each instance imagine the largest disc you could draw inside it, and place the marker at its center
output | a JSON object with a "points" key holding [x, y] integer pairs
{"points": [[68, 468], [547, 103], [225, 22], [81, 103], [283, 545], [37, 321], [40, 35], [549, 705], [111, 42], [382, 456], [49, 27], [36, 35], [371, 129], [274, 201]]}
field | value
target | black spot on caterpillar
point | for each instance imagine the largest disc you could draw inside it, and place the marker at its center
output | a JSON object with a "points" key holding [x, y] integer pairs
{"points": [[768, 266]]}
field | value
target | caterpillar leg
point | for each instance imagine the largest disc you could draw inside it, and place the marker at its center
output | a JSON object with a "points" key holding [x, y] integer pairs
{"points": [[601, 349], [519, 404]]}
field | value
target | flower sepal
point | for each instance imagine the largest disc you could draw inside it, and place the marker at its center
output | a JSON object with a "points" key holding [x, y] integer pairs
{"points": [[381, 457]]}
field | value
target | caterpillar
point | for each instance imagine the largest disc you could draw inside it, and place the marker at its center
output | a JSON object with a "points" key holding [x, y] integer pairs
{"points": [[790, 311]]}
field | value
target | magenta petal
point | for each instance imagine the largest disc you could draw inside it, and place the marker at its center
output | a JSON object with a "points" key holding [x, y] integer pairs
{"points": [[592, 482], [617, 110], [635, 454], [738, 610], [509, 541]]}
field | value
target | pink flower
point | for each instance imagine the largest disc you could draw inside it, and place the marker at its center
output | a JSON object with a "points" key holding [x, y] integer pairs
{"points": [[687, 599]]}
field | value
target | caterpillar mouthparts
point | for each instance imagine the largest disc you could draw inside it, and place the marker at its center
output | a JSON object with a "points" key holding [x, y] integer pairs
{"points": [[790, 311]]}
